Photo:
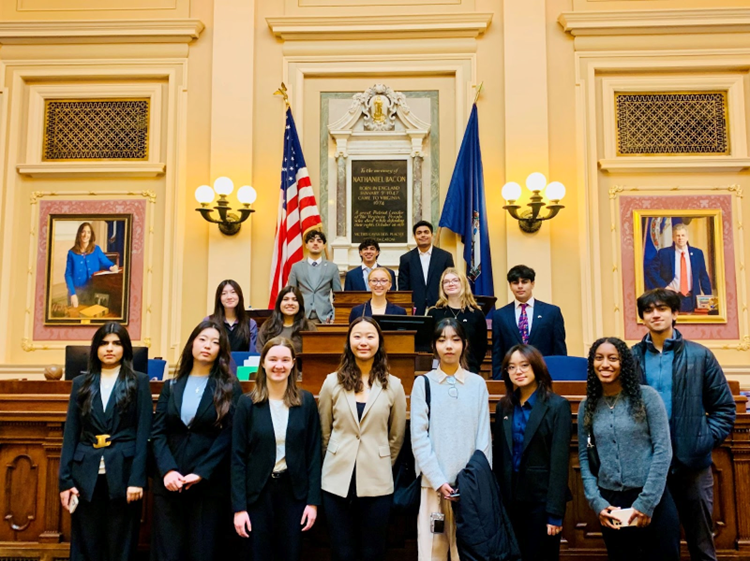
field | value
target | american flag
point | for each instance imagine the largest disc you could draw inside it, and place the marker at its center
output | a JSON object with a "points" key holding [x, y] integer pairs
{"points": [[298, 211]]}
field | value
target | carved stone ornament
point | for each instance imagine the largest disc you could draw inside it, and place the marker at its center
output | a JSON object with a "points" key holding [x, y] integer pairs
{"points": [[379, 105]]}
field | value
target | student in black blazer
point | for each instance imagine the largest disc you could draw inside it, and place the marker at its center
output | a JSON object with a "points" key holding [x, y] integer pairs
{"points": [[191, 441], [532, 447], [276, 459], [380, 282], [105, 444], [411, 274], [369, 251], [544, 329]]}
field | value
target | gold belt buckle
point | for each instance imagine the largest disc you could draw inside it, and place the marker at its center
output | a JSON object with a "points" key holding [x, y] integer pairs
{"points": [[101, 441]]}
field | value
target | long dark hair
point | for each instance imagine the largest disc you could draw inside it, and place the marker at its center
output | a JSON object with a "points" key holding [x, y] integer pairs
{"points": [[538, 368], [631, 386], [125, 392], [78, 247], [349, 374], [460, 331], [292, 396], [219, 371], [274, 324], [243, 320]]}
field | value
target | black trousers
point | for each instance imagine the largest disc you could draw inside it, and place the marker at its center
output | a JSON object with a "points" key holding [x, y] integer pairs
{"points": [[659, 541], [275, 518], [693, 493], [190, 526], [358, 526], [104, 529], [530, 527]]}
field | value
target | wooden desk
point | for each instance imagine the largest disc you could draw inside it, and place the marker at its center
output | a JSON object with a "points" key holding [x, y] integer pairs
{"points": [[344, 301], [32, 414], [112, 285]]}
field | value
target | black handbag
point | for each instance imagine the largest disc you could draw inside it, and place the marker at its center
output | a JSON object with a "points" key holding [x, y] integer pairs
{"points": [[593, 454], [407, 485]]}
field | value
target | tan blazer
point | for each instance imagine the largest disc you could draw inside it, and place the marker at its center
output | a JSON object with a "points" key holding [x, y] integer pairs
{"points": [[372, 444]]}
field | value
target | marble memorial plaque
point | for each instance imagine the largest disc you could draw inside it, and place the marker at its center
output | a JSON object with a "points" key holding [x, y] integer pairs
{"points": [[379, 200]]}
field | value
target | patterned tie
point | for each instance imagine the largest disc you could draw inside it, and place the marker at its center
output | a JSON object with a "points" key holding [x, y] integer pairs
{"points": [[314, 263], [523, 324], [683, 275]]}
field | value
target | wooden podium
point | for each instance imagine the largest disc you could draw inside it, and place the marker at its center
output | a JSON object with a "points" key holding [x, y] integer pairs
{"points": [[322, 350], [344, 301]]}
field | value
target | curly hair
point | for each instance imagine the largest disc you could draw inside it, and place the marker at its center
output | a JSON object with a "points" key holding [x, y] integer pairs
{"points": [[631, 387], [349, 374]]}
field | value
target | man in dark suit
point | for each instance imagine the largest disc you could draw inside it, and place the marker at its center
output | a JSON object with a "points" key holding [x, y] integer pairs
{"points": [[526, 320], [681, 268], [356, 279], [316, 278], [420, 269]]}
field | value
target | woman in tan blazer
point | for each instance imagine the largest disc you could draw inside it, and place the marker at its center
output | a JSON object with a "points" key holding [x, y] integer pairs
{"points": [[363, 419]]}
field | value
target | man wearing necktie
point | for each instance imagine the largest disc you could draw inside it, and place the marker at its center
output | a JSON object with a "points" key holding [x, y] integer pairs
{"points": [[681, 268], [316, 279], [526, 320]]}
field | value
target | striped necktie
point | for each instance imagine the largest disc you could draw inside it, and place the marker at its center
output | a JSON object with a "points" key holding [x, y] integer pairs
{"points": [[523, 324]]}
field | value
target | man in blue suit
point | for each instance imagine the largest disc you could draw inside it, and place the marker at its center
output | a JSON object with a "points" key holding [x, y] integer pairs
{"points": [[420, 269], [526, 320], [356, 279], [681, 268]]}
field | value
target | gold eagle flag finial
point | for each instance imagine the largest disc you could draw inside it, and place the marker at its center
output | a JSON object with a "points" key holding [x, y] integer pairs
{"points": [[283, 93]]}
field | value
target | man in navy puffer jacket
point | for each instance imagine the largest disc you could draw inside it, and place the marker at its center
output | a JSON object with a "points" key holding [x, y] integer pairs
{"points": [[701, 412]]}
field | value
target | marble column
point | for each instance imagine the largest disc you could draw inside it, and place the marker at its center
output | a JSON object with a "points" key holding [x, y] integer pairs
{"points": [[417, 160], [341, 194]]}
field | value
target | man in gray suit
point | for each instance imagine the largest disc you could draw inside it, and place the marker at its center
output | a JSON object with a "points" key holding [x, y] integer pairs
{"points": [[316, 278]]}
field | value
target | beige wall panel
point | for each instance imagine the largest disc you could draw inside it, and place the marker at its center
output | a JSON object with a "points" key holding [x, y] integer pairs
{"points": [[360, 7], [583, 5], [93, 9]]}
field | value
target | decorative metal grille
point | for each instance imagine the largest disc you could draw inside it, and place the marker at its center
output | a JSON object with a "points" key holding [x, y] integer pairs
{"points": [[113, 129], [672, 124]]}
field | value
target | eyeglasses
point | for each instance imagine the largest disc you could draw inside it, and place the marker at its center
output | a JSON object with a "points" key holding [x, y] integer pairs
{"points": [[523, 367], [453, 389], [451, 281], [379, 281]]}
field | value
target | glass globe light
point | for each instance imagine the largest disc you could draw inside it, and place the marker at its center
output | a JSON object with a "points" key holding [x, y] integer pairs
{"points": [[223, 186], [204, 194], [535, 181], [511, 191], [246, 195], [555, 191]]}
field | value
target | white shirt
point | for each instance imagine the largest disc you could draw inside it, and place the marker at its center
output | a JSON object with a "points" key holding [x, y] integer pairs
{"points": [[319, 260], [529, 311], [424, 259], [280, 419], [675, 284], [107, 380]]}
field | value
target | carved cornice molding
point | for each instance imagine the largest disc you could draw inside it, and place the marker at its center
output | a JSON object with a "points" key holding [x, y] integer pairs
{"points": [[100, 31], [656, 22], [389, 26]]}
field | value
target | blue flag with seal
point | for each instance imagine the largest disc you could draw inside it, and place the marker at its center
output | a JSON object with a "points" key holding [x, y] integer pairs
{"points": [[465, 211]]}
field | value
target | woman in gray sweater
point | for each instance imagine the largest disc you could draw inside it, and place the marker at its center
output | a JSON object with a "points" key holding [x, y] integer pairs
{"points": [[445, 435], [628, 426]]}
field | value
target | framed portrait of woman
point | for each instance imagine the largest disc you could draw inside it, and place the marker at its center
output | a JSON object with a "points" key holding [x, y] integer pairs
{"points": [[88, 268]]}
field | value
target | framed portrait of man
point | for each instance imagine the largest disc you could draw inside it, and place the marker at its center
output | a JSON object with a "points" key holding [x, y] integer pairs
{"points": [[682, 250], [88, 268]]}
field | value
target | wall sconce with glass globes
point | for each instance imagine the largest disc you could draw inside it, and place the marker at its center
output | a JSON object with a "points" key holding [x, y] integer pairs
{"points": [[529, 220], [228, 221]]}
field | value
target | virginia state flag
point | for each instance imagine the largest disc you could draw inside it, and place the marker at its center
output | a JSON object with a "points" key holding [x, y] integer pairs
{"points": [[465, 211]]}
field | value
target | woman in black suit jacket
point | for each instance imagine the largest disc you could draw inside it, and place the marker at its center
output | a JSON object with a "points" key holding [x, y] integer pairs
{"points": [[191, 441], [532, 445], [105, 444], [275, 459], [379, 280]]}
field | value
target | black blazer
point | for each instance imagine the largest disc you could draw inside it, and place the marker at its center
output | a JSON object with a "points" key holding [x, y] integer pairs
{"points": [[203, 448], [547, 333], [410, 277], [254, 451], [355, 281], [366, 310], [124, 459], [543, 476]]}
